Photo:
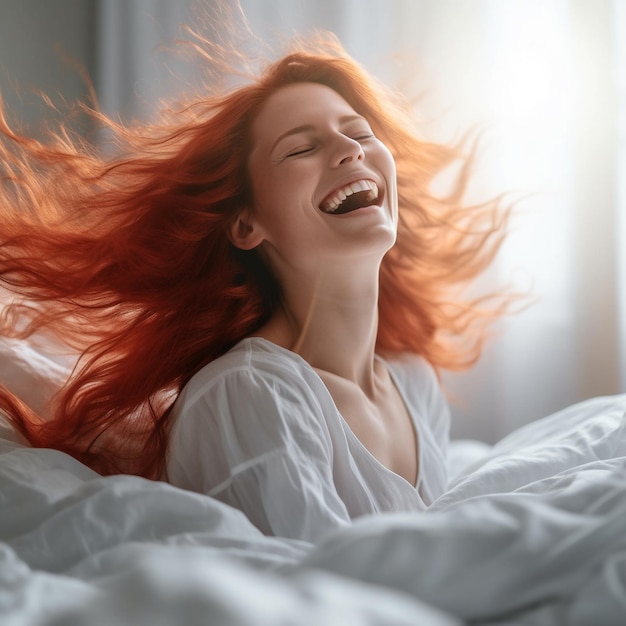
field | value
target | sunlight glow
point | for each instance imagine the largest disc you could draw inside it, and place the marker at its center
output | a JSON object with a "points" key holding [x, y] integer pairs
{"points": [[528, 98], [532, 61]]}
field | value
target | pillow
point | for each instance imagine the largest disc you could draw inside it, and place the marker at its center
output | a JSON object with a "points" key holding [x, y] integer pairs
{"points": [[30, 374]]}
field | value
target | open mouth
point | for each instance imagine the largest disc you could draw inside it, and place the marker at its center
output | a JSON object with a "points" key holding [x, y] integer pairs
{"points": [[351, 197]]}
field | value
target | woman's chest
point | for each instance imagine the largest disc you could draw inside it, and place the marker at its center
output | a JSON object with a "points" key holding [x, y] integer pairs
{"points": [[383, 427]]}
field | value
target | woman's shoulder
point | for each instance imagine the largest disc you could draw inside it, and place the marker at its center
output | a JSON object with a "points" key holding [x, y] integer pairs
{"points": [[420, 386], [253, 399], [253, 362], [413, 370]]}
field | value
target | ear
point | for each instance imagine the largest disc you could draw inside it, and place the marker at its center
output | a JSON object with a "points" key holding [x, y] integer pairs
{"points": [[244, 232]]}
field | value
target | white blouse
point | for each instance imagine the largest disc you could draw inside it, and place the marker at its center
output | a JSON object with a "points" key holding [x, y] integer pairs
{"points": [[258, 430]]}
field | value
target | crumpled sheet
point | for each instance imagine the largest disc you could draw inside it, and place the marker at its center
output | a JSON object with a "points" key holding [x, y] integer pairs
{"points": [[533, 532]]}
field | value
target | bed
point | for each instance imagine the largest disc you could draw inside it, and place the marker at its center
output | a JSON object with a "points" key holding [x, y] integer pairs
{"points": [[531, 531]]}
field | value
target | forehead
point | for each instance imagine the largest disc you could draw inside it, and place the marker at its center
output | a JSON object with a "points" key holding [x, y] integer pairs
{"points": [[293, 105]]}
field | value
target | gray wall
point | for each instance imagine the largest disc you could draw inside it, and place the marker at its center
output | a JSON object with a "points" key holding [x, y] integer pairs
{"points": [[45, 45]]}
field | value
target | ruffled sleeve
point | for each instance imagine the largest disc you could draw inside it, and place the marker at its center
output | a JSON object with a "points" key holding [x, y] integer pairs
{"points": [[256, 439]]}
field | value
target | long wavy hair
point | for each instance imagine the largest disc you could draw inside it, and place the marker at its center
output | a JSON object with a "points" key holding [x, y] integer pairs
{"points": [[127, 260]]}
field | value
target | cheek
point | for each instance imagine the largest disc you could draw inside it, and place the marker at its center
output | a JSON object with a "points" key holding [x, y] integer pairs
{"points": [[274, 193], [390, 161], [382, 158], [263, 192], [270, 200]]}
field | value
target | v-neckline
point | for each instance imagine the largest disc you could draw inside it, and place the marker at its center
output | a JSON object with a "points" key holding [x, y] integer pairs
{"points": [[368, 454]]}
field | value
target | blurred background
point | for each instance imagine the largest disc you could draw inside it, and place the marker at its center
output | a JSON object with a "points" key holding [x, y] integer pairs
{"points": [[545, 79]]}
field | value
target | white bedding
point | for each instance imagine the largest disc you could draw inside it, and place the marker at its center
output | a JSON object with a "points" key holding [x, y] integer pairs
{"points": [[532, 531]]}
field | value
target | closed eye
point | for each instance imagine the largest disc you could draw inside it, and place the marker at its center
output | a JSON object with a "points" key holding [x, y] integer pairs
{"points": [[299, 151], [360, 137]]}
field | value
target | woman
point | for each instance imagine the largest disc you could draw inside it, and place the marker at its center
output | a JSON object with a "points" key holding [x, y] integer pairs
{"points": [[260, 290]]}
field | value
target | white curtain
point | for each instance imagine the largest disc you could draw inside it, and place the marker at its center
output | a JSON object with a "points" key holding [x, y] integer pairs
{"points": [[546, 79]]}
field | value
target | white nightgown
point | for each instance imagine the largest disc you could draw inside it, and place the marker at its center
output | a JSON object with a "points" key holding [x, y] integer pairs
{"points": [[258, 430]]}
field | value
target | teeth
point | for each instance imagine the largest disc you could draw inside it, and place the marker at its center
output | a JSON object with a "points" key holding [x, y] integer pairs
{"points": [[330, 205]]}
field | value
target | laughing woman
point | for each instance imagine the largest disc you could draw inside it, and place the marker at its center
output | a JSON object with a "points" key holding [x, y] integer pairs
{"points": [[261, 289]]}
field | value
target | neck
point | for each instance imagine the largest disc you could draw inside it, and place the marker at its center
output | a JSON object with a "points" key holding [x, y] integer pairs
{"points": [[332, 323]]}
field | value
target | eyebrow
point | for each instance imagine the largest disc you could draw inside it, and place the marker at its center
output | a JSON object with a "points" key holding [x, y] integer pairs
{"points": [[304, 128]]}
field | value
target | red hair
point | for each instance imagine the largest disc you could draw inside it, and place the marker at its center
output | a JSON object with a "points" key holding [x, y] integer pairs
{"points": [[127, 258]]}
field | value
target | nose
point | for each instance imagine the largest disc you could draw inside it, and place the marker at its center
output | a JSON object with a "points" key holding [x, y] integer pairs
{"points": [[347, 150]]}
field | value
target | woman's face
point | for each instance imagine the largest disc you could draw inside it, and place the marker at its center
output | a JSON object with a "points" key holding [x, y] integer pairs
{"points": [[323, 186]]}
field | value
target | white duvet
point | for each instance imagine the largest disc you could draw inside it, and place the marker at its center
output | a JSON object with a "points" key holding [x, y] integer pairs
{"points": [[532, 531]]}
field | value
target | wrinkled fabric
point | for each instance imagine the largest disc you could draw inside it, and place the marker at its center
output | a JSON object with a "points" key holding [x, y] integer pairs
{"points": [[530, 531], [534, 533], [258, 430]]}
